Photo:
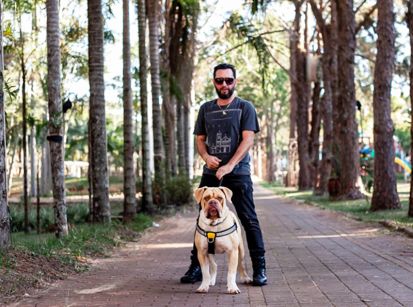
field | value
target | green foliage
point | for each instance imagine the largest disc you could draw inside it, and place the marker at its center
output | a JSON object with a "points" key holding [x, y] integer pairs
{"points": [[246, 30], [76, 214], [83, 240], [403, 133], [179, 190], [140, 222]]}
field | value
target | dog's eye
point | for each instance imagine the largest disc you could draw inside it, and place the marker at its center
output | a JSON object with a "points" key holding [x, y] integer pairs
{"points": [[219, 198], [207, 198]]}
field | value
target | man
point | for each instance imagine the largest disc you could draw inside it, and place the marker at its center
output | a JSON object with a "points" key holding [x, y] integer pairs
{"points": [[224, 132]]}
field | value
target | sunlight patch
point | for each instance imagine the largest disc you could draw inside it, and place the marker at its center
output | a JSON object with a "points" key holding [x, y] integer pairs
{"points": [[97, 290]]}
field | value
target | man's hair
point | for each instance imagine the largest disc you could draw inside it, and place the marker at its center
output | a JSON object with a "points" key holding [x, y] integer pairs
{"points": [[225, 66]]}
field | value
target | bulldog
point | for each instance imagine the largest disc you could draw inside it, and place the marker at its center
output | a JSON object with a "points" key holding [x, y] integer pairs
{"points": [[218, 231]]}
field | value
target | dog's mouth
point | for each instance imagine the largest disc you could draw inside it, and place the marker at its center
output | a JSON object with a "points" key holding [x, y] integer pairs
{"points": [[213, 210]]}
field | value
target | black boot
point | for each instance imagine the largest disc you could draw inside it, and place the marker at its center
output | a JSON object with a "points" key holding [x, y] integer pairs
{"points": [[259, 277], [193, 274]]}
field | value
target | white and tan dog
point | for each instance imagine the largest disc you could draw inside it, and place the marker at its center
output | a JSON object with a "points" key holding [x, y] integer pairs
{"points": [[216, 218]]}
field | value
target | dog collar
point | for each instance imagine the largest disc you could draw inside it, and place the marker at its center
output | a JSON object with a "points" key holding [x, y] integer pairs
{"points": [[211, 235]]}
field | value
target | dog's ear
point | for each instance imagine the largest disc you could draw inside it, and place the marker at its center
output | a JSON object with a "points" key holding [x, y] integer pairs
{"points": [[227, 192], [198, 194]]}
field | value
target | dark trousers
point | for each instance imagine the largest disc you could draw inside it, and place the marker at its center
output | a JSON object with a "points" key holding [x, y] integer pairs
{"points": [[241, 187]]}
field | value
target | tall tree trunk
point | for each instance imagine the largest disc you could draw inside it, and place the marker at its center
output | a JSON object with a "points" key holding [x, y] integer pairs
{"points": [[314, 148], [348, 156], [385, 185], [168, 103], [292, 173], [97, 117], [304, 178], [24, 128], [5, 239], [271, 124], [33, 161], [410, 25], [46, 172], [147, 196], [330, 97], [56, 117], [129, 181], [154, 36]]}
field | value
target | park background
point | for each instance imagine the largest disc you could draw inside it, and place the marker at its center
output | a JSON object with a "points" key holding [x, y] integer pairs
{"points": [[99, 99]]}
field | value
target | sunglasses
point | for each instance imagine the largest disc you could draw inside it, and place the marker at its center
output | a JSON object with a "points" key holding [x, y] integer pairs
{"points": [[228, 81]]}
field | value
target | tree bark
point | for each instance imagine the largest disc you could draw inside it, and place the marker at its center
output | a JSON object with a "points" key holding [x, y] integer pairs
{"points": [[328, 64], [292, 145], [97, 117], [159, 151], [5, 238], [129, 181], [385, 194], [56, 117], [348, 156], [147, 196], [304, 178], [314, 147], [410, 25]]}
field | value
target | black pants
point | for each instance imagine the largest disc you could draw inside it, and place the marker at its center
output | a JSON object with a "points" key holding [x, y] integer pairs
{"points": [[241, 187]]}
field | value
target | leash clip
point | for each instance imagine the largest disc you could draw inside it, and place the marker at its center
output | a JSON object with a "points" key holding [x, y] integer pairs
{"points": [[211, 236]]}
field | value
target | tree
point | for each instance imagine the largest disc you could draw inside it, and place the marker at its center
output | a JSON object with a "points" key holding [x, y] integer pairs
{"points": [[385, 185], [4, 208], [329, 69], [159, 151], [292, 145], [129, 181], [56, 117], [183, 21], [97, 117], [410, 25], [147, 198], [345, 126]]}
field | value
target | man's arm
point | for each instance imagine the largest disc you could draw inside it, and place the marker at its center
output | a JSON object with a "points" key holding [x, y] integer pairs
{"points": [[212, 162], [243, 148]]}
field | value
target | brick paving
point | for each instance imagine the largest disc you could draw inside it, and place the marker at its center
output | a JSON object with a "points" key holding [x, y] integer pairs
{"points": [[314, 258]]}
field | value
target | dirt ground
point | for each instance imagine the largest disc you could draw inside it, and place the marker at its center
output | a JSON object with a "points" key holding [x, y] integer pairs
{"points": [[25, 273]]}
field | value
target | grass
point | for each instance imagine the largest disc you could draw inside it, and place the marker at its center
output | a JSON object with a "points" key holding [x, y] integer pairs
{"points": [[359, 209], [83, 240]]}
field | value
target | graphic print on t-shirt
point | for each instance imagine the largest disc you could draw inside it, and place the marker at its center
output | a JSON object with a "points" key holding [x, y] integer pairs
{"points": [[223, 133], [222, 144]]}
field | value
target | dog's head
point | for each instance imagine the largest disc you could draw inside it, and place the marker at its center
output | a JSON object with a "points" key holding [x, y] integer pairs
{"points": [[213, 200]]}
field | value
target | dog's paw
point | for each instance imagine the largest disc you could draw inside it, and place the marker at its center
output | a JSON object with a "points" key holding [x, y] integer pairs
{"points": [[246, 279], [233, 290], [202, 289]]}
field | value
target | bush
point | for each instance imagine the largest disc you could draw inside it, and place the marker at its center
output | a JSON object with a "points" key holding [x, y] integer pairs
{"points": [[76, 214], [179, 190]]}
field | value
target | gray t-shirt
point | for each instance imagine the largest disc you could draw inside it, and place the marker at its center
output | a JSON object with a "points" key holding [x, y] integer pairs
{"points": [[223, 128]]}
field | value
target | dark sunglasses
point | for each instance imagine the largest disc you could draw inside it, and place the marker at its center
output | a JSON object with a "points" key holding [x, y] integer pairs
{"points": [[220, 81]]}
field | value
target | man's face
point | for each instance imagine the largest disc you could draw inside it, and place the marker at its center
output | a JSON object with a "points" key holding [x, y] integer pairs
{"points": [[224, 83]]}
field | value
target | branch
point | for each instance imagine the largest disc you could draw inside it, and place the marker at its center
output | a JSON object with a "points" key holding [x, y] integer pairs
{"points": [[319, 17], [366, 18]]}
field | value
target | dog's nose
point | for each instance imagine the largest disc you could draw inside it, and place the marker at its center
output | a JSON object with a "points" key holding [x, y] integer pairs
{"points": [[213, 202]]}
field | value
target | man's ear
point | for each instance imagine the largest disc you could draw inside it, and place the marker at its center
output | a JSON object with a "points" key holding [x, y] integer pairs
{"points": [[227, 192], [198, 194]]}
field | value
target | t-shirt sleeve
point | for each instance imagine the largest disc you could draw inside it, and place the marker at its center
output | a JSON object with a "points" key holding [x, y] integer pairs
{"points": [[199, 128], [249, 119]]}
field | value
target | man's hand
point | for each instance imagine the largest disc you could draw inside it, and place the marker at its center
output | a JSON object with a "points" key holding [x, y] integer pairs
{"points": [[212, 162], [223, 170]]}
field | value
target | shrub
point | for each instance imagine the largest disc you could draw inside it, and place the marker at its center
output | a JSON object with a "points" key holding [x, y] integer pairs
{"points": [[179, 190]]}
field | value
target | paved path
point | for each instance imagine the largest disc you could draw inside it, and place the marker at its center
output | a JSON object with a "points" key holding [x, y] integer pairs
{"points": [[314, 258]]}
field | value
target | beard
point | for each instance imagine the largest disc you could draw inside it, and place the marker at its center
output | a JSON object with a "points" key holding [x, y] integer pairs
{"points": [[226, 95]]}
